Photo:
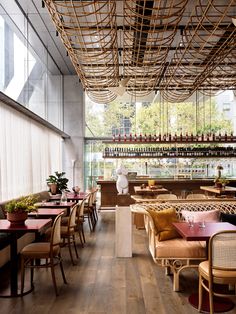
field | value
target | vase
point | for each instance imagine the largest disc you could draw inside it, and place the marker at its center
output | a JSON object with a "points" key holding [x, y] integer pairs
{"points": [[17, 218]]}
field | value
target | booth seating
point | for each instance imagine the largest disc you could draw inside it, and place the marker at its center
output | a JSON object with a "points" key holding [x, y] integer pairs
{"points": [[24, 239], [172, 251]]}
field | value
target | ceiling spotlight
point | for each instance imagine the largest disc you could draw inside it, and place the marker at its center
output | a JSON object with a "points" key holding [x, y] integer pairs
{"points": [[234, 21]]}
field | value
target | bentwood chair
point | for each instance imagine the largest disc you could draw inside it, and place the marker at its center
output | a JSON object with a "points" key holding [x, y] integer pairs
{"points": [[166, 197], [79, 220], [50, 251], [195, 196], [89, 211], [68, 233], [220, 268]]}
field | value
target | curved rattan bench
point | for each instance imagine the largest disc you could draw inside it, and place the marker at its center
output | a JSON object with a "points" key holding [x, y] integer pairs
{"points": [[178, 254]]}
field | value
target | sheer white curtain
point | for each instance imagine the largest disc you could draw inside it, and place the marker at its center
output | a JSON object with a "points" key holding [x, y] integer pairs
{"points": [[29, 152]]}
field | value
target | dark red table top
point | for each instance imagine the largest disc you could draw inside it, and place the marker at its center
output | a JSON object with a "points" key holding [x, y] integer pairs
{"points": [[71, 196], [44, 211], [31, 225], [55, 204], [197, 233]]}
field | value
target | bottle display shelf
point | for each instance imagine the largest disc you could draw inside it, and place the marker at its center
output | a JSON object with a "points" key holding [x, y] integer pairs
{"points": [[177, 141], [174, 152]]}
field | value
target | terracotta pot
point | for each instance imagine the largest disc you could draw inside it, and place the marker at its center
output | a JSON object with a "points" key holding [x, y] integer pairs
{"points": [[218, 185], [17, 218], [53, 188]]}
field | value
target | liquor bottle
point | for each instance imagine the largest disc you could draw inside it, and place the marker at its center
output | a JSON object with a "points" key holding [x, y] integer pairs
{"points": [[191, 137], [135, 137], [113, 137], [125, 137], [159, 137], [231, 136], [130, 137], [219, 136], [154, 137], [140, 137], [164, 137], [213, 137], [175, 137], [186, 137], [145, 137], [119, 138], [150, 138], [181, 137], [226, 136]]}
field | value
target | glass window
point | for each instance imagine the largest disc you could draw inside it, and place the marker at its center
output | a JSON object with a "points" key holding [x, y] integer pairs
{"points": [[28, 74], [201, 114]]}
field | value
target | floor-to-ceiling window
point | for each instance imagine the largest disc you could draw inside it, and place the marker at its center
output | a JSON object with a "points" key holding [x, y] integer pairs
{"points": [[130, 116], [29, 151], [28, 74]]}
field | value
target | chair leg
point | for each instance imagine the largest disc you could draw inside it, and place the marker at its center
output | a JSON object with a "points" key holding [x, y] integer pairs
{"points": [[90, 222], [53, 276], [80, 237], [22, 274], [82, 231], [32, 273], [211, 298], [70, 251], [62, 270], [76, 252], [200, 293]]}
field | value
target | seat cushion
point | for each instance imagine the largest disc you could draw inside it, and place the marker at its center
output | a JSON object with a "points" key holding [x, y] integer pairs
{"points": [[231, 218], [38, 250], [163, 223], [199, 216], [180, 248], [204, 269]]}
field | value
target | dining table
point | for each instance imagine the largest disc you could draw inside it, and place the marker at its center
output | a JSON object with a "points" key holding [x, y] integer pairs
{"points": [[149, 191], [57, 204], [227, 191], [45, 212], [36, 226], [71, 196], [203, 232]]}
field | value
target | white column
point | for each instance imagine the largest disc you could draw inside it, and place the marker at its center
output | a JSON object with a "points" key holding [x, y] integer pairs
{"points": [[123, 231]]}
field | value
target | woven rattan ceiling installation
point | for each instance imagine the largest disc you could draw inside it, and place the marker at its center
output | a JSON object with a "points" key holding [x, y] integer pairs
{"points": [[172, 46]]}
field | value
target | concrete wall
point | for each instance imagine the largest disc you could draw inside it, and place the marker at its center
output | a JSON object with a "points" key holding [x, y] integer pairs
{"points": [[73, 148]]}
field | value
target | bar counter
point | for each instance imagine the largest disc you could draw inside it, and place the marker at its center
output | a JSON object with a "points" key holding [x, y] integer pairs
{"points": [[180, 187]]}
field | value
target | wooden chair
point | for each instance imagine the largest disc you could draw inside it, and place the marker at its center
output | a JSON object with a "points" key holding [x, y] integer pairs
{"points": [[220, 268], [68, 233], [50, 251], [166, 197], [79, 220], [89, 211], [195, 196]]}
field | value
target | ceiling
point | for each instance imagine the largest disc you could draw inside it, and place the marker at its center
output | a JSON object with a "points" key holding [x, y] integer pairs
{"points": [[172, 46]]}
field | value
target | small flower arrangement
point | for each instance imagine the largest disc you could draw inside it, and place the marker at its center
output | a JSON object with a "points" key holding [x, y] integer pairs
{"points": [[223, 181], [22, 204]]}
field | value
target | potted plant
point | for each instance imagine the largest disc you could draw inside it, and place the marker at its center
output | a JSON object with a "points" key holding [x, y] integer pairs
{"points": [[217, 182], [17, 210], [223, 182], [57, 183]]}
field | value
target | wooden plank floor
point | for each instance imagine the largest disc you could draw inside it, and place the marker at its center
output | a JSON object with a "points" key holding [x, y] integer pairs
{"points": [[103, 284]]}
